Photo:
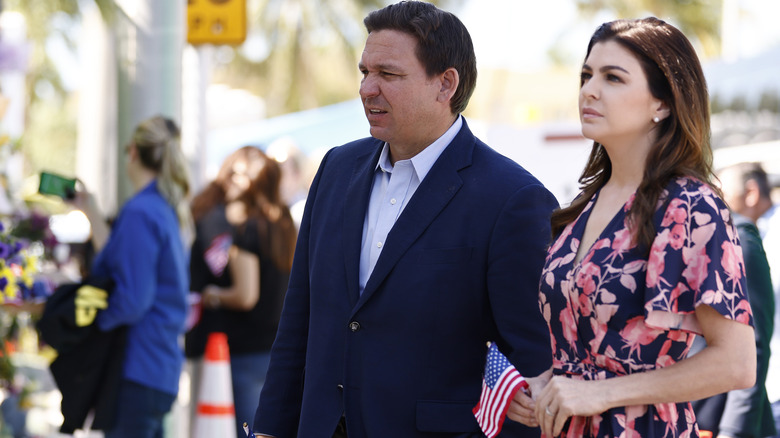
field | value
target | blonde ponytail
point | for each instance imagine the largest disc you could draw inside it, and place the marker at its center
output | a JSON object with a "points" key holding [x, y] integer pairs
{"points": [[157, 142]]}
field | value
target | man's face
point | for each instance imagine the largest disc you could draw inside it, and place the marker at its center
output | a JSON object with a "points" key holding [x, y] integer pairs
{"points": [[401, 102], [733, 190]]}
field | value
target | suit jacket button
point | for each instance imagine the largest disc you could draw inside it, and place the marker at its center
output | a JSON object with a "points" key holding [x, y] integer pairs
{"points": [[354, 326], [340, 387]]}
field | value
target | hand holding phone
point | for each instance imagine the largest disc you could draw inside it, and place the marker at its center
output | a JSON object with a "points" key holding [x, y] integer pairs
{"points": [[58, 185]]}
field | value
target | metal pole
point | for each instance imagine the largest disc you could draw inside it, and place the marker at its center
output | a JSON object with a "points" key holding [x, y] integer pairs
{"points": [[150, 37]]}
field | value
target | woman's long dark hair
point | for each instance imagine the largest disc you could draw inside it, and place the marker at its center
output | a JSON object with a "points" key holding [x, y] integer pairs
{"points": [[262, 201], [682, 147]]}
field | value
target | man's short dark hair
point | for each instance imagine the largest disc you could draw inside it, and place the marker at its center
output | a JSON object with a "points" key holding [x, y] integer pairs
{"points": [[442, 42], [755, 172]]}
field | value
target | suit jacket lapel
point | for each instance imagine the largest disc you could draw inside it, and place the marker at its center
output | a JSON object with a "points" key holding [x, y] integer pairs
{"points": [[358, 194], [433, 194]]}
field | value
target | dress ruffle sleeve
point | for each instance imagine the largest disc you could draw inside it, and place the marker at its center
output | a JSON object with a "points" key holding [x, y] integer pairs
{"points": [[695, 259]]}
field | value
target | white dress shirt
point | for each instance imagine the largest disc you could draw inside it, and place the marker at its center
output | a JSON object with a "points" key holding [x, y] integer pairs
{"points": [[393, 187]]}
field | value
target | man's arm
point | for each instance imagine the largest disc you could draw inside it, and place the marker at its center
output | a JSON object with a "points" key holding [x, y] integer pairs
{"points": [[517, 252], [518, 249], [279, 408]]}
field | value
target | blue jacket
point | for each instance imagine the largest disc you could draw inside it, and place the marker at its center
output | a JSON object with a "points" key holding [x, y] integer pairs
{"points": [[146, 259], [460, 267]]}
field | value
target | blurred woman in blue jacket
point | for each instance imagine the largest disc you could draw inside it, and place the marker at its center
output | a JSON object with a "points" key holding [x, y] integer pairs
{"points": [[146, 254]]}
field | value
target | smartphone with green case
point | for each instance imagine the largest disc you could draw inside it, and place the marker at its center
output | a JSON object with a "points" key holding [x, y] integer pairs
{"points": [[58, 185]]}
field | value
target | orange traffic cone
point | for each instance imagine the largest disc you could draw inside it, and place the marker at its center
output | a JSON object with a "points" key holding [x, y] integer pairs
{"points": [[216, 414]]}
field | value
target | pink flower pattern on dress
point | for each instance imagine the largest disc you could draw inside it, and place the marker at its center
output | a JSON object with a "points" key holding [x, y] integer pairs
{"points": [[626, 309]]}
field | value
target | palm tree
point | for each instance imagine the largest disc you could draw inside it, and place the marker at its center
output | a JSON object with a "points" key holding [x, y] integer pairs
{"points": [[310, 52], [312, 47]]}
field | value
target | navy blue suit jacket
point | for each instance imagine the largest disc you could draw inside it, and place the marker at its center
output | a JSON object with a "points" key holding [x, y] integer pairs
{"points": [[460, 267]]}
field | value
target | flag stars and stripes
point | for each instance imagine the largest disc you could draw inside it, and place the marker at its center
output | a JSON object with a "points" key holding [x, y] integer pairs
{"points": [[501, 382]]}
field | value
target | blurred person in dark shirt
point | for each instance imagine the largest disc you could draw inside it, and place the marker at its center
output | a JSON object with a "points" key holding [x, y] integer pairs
{"points": [[240, 263]]}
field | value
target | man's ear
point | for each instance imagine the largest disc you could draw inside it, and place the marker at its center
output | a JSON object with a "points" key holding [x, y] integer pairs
{"points": [[752, 193], [449, 84]]}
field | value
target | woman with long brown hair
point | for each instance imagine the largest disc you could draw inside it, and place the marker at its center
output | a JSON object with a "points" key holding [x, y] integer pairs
{"points": [[240, 263], [646, 257]]}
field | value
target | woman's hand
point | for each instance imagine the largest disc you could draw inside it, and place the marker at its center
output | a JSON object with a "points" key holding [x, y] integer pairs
{"points": [[523, 407], [564, 397], [82, 199], [244, 293], [85, 201], [211, 297]]}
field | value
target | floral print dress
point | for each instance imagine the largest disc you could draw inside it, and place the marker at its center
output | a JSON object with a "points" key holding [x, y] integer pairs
{"points": [[620, 311]]}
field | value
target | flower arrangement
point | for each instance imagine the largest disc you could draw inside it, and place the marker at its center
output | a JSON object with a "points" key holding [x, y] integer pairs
{"points": [[21, 247], [18, 266]]}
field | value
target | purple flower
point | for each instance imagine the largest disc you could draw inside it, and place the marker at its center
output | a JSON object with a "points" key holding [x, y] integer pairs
{"points": [[5, 250], [39, 221]]}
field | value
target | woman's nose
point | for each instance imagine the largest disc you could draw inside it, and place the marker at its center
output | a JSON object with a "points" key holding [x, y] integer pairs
{"points": [[589, 89]]}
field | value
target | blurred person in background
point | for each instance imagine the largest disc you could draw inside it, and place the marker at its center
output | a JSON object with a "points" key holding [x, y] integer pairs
{"points": [[744, 412], [240, 263], [145, 253], [749, 193], [296, 175], [645, 258]]}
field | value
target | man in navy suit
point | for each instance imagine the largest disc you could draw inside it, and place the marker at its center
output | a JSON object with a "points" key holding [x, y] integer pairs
{"points": [[417, 246]]}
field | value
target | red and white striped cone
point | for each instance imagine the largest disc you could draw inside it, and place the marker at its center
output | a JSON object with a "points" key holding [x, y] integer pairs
{"points": [[216, 414]]}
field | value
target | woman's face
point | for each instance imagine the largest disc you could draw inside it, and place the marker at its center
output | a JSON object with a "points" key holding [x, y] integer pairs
{"points": [[132, 161], [616, 107], [237, 182], [242, 173]]}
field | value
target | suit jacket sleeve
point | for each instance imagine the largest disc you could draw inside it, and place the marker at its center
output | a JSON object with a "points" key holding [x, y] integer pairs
{"points": [[742, 415], [279, 408], [517, 251]]}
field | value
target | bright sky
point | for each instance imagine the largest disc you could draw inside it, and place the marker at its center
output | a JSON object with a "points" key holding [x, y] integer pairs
{"points": [[517, 34]]}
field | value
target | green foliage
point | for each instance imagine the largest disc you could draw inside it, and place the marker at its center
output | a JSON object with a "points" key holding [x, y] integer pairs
{"points": [[49, 140], [770, 101], [315, 46], [697, 19]]}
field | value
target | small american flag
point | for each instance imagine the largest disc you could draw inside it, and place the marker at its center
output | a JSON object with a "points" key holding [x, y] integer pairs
{"points": [[217, 254], [499, 385]]}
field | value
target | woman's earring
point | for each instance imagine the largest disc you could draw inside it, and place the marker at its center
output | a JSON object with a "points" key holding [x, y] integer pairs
{"points": [[656, 119]]}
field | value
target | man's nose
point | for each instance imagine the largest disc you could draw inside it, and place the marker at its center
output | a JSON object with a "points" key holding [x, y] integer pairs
{"points": [[368, 86]]}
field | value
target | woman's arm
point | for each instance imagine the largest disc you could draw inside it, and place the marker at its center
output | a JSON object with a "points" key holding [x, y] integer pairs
{"points": [[85, 201], [245, 291], [728, 362]]}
